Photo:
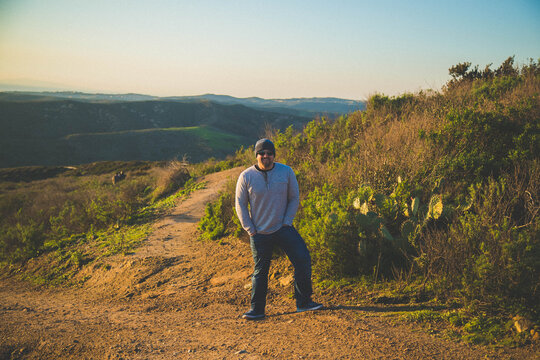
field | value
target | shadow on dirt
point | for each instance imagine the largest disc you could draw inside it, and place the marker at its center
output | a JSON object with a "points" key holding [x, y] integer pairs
{"points": [[392, 308], [183, 218], [368, 309]]}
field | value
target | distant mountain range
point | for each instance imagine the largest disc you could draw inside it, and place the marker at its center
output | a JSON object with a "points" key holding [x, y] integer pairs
{"points": [[68, 128], [302, 106], [297, 106]]}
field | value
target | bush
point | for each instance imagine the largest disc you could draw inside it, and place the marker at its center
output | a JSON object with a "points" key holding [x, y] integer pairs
{"points": [[477, 143], [349, 234], [170, 178], [329, 232], [21, 241], [220, 217], [491, 251]]}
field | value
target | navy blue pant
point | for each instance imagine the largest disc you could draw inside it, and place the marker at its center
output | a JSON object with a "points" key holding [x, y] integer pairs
{"points": [[262, 245]]}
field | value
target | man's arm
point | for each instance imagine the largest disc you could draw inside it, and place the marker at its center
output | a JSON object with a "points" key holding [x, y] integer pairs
{"points": [[293, 199], [241, 205]]}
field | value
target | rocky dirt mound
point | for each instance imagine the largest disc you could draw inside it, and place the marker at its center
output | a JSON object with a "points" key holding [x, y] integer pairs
{"points": [[180, 298]]}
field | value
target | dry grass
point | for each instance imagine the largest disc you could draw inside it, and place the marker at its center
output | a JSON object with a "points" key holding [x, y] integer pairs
{"points": [[33, 212], [170, 178]]}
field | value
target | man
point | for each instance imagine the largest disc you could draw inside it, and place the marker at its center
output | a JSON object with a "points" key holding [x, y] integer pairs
{"points": [[271, 190]]}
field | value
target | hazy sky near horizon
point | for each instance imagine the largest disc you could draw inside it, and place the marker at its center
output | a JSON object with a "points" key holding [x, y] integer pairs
{"points": [[271, 49]]}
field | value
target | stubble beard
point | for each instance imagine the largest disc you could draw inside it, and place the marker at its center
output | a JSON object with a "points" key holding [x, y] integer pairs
{"points": [[266, 163]]}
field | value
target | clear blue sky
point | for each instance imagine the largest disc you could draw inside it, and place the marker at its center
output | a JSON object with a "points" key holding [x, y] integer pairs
{"points": [[271, 49]]}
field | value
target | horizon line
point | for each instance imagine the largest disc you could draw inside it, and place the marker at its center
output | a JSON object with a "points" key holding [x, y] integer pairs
{"points": [[44, 90]]}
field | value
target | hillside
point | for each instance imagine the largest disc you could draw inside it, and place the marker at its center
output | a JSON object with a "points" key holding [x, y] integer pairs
{"points": [[178, 298], [435, 195], [42, 131]]}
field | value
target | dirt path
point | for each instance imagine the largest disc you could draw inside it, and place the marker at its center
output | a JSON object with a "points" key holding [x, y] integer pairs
{"points": [[179, 298]]}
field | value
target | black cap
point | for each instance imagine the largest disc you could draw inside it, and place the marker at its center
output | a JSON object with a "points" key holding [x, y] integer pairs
{"points": [[264, 144]]}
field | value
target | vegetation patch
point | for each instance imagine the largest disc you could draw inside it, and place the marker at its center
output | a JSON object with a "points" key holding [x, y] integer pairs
{"points": [[471, 326], [54, 227], [438, 192], [220, 218], [59, 132]]}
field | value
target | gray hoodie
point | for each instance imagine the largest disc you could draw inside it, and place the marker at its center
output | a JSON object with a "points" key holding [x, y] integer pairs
{"points": [[272, 195]]}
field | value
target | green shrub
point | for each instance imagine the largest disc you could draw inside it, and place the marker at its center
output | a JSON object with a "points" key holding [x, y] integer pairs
{"points": [[503, 261], [491, 250], [328, 229], [22, 241], [484, 330], [478, 143], [213, 223], [220, 217], [350, 234]]}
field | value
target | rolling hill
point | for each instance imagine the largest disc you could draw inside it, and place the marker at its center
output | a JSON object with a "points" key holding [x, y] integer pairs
{"points": [[47, 130]]}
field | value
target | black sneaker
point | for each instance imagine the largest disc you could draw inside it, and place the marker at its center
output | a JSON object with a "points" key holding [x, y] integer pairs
{"points": [[253, 315], [310, 306]]}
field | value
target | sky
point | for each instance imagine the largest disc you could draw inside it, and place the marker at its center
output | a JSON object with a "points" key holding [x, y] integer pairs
{"points": [[270, 49]]}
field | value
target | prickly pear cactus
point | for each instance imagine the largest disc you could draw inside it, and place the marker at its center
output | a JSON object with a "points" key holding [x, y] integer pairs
{"points": [[435, 209], [407, 228], [415, 205]]}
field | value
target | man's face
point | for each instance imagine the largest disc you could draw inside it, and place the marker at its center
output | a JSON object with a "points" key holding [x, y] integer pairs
{"points": [[265, 159]]}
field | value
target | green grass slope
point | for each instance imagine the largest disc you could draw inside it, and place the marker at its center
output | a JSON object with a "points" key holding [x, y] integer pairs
{"points": [[69, 132], [196, 143]]}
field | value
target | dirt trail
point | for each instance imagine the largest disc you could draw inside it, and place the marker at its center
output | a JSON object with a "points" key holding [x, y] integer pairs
{"points": [[179, 298]]}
